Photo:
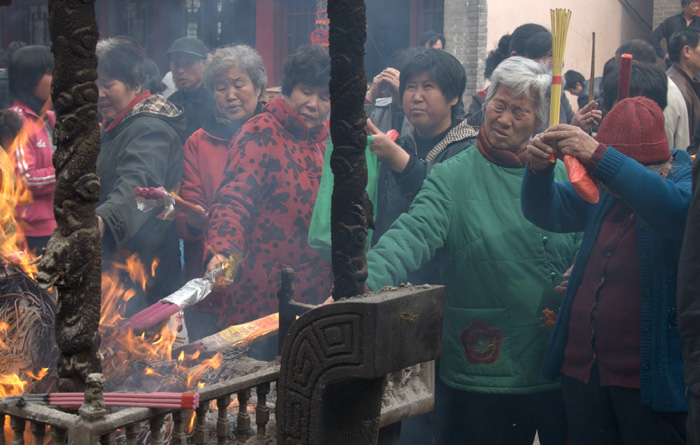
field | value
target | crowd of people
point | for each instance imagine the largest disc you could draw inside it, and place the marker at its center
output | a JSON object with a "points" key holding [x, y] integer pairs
{"points": [[470, 199]]}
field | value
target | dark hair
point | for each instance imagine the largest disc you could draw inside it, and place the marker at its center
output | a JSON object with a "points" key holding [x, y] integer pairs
{"points": [[10, 125], [431, 38], [441, 66], [645, 80], [641, 51], [531, 41], [528, 40], [309, 65], [398, 58], [685, 37], [14, 46], [123, 58], [496, 56], [609, 66], [155, 80], [571, 78], [26, 68]]}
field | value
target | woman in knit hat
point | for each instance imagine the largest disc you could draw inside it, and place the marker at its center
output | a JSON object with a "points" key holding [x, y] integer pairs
{"points": [[616, 344]]}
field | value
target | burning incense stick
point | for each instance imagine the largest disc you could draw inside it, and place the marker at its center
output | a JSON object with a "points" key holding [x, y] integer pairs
{"points": [[623, 88], [591, 89], [560, 29]]}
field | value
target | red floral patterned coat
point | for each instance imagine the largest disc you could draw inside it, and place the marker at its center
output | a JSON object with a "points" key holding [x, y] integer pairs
{"points": [[264, 207]]}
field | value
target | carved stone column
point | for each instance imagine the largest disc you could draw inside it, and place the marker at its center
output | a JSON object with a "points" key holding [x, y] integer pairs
{"points": [[72, 260], [351, 210]]}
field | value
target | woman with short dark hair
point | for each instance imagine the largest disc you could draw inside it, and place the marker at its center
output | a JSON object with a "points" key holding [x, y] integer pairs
{"points": [[141, 146], [264, 206], [30, 73]]}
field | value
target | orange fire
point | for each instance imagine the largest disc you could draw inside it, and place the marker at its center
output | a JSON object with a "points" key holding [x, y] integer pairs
{"points": [[14, 196], [154, 349]]}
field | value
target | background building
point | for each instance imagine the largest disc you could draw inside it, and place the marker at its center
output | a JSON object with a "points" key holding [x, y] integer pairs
{"points": [[277, 27]]}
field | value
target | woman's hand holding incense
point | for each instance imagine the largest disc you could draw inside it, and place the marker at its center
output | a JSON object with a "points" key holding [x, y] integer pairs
{"points": [[570, 140], [197, 220], [538, 154], [387, 151], [561, 289], [221, 281], [588, 117], [215, 261]]}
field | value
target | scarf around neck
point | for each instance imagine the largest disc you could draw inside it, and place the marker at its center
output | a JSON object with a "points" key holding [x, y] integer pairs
{"points": [[499, 156]]}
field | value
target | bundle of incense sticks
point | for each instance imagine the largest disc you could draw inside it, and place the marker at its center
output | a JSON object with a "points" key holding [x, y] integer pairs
{"points": [[148, 198], [192, 292], [239, 335], [560, 29], [623, 88], [179, 400]]}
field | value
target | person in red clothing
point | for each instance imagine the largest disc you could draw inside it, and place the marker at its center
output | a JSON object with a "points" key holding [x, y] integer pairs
{"points": [[236, 76], [30, 74], [265, 203]]}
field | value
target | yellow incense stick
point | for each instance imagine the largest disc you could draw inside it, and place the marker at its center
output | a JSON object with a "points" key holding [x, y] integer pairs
{"points": [[560, 28]]}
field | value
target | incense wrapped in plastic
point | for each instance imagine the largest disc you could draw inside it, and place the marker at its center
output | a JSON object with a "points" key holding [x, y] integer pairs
{"points": [[192, 292], [240, 334]]}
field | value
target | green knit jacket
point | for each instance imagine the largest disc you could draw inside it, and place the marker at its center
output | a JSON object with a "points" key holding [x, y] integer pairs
{"points": [[500, 271]]}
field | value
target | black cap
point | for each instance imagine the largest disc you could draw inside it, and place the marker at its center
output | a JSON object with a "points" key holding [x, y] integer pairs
{"points": [[188, 45]]}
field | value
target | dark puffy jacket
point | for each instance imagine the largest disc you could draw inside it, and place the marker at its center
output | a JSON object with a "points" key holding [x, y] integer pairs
{"points": [[395, 194], [143, 150], [197, 108]]}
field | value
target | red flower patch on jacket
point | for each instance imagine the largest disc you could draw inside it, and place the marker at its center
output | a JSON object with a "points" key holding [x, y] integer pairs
{"points": [[482, 343]]}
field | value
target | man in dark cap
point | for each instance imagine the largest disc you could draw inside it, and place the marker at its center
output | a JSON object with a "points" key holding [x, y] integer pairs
{"points": [[615, 343], [187, 58]]}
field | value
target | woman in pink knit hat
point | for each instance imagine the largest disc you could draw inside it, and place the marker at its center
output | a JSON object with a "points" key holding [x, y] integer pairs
{"points": [[616, 344]]}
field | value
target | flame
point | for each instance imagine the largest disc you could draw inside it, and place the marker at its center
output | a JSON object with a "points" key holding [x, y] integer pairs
{"points": [[15, 196], [38, 376], [190, 427], [11, 384], [154, 266]]}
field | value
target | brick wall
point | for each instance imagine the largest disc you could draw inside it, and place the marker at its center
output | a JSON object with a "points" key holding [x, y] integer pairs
{"points": [[465, 31], [664, 9]]}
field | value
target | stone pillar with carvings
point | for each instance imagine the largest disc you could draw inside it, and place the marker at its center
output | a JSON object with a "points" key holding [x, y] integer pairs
{"points": [[72, 260]]}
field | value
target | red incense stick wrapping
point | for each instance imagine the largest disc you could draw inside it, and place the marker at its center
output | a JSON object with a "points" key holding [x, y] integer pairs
{"points": [[623, 89]]}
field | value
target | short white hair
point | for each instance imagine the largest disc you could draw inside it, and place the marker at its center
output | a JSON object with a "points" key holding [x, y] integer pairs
{"points": [[526, 78]]}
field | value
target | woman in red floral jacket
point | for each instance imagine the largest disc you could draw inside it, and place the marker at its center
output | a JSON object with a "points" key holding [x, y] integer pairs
{"points": [[267, 197]]}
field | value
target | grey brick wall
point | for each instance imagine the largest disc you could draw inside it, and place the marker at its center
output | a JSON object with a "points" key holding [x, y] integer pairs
{"points": [[664, 9], [465, 31]]}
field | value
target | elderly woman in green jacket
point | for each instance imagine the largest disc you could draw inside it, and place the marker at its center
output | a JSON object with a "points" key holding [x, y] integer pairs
{"points": [[500, 270]]}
